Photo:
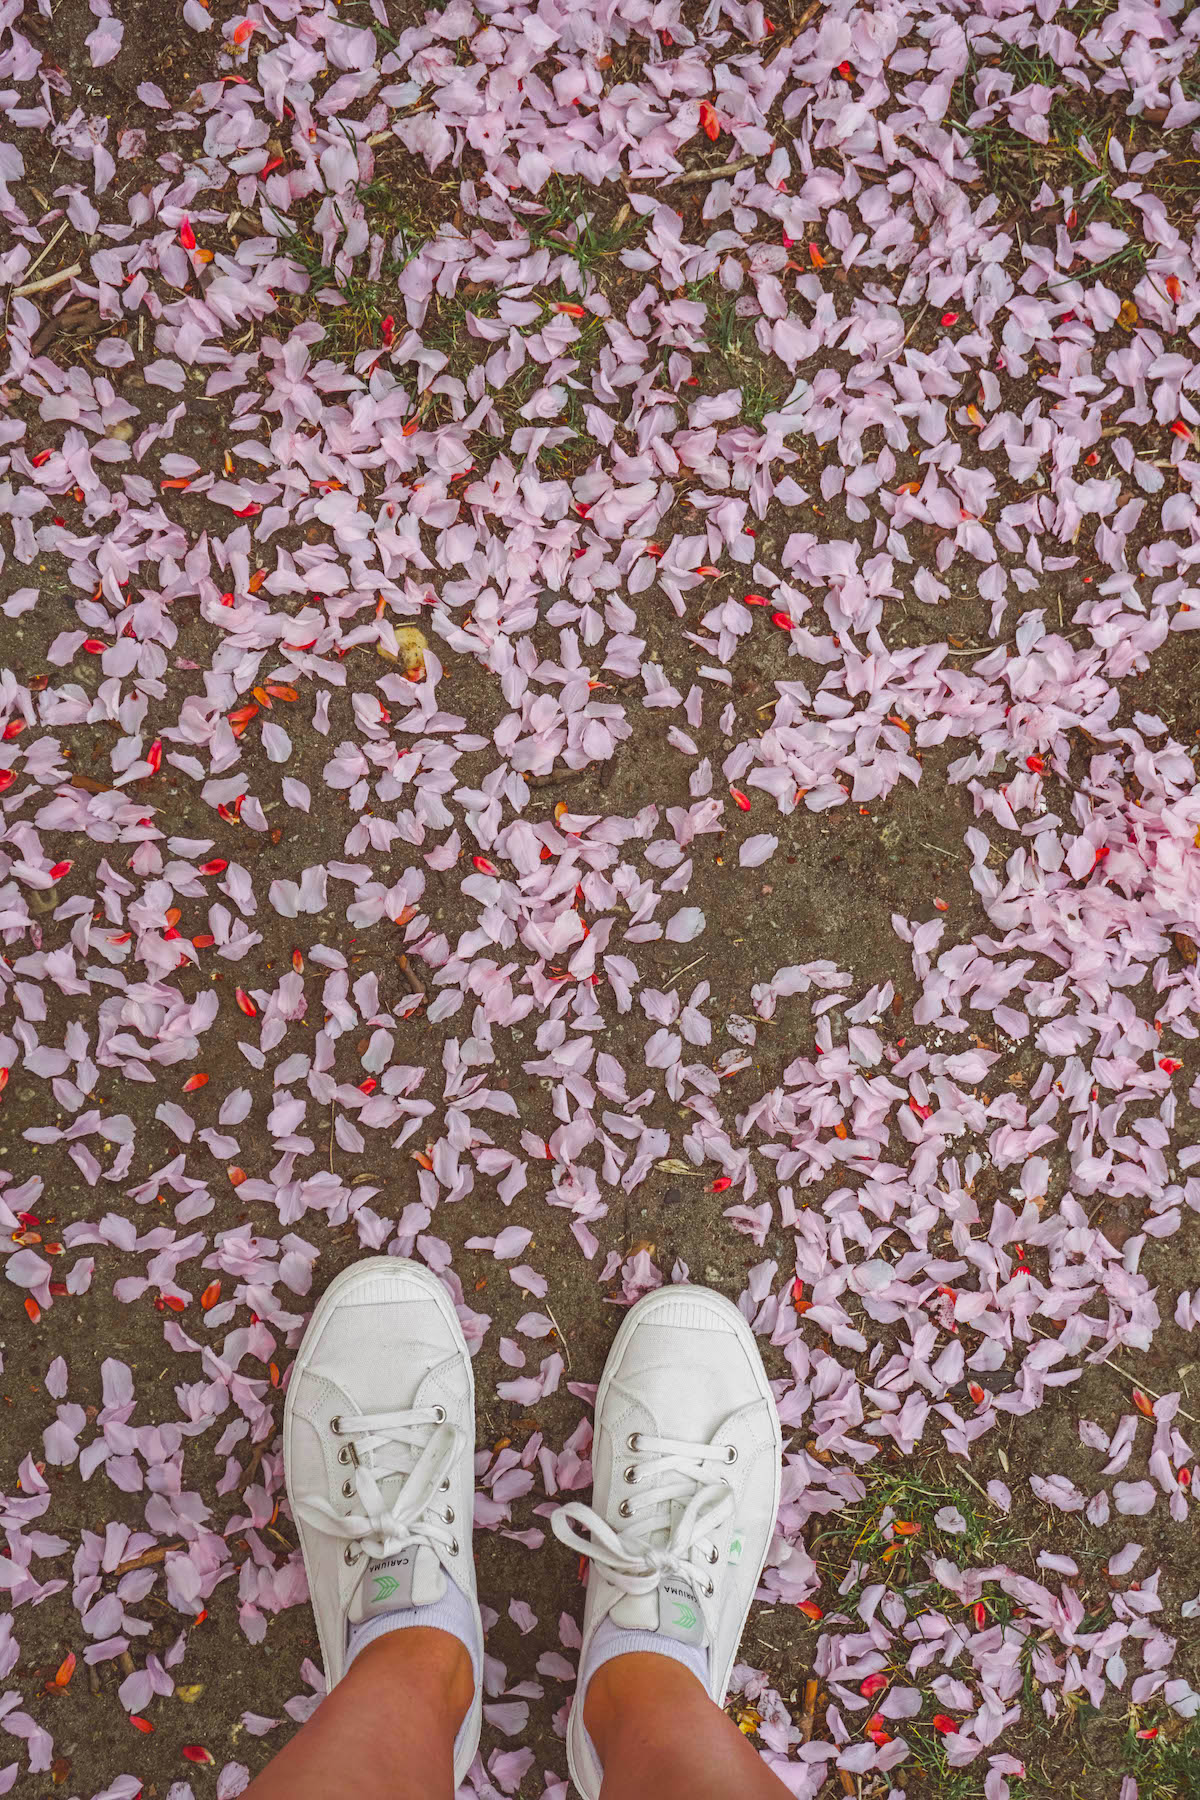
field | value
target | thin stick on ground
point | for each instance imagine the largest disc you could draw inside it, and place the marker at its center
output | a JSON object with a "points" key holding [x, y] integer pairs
{"points": [[44, 252], [1106, 1362], [562, 1338], [698, 177], [47, 282], [148, 1558]]}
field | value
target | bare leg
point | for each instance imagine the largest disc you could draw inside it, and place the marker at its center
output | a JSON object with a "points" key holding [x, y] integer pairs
{"points": [[660, 1737], [386, 1732]]}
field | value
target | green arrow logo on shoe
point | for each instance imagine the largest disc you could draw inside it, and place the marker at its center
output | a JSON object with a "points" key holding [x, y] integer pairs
{"points": [[685, 1618], [385, 1587]]}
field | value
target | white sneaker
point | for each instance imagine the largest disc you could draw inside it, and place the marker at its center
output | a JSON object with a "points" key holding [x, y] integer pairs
{"points": [[378, 1450], [686, 1471]]}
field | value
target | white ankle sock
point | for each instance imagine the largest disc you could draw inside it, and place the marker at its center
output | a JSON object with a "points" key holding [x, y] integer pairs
{"points": [[610, 1641], [453, 1613]]}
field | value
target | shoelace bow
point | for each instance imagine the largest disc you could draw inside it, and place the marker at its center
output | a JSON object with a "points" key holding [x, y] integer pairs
{"points": [[653, 1475], [419, 1445]]}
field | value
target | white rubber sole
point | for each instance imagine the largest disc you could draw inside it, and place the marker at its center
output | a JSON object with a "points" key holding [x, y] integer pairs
{"points": [[366, 1268], [642, 1312]]}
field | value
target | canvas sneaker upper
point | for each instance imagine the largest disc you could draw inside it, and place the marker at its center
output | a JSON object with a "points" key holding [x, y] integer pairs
{"points": [[686, 1471], [379, 1443]]}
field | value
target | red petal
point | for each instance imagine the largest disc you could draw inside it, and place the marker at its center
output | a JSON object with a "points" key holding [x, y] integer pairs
{"points": [[943, 1724], [483, 865], [210, 1296], [810, 1609], [59, 870], [740, 799], [874, 1684], [783, 621], [197, 1753], [193, 1082], [721, 1183], [33, 1309], [139, 1723], [217, 866], [246, 1003]]}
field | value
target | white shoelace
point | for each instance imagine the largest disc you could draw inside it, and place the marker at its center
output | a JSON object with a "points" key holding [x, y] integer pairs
{"points": [[652, 1475], [420, 1446]]}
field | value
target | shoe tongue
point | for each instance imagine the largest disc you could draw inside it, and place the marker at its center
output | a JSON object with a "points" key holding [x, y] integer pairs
{"points": [[672, 1609], [412, 1577]]}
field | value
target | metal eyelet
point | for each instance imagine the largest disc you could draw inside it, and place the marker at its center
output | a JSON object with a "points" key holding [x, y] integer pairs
{"points": [[347, 1490], [439, 1413], [449, 1515], [709, 1591], [454, 1546], [444, 1485], [345, 1454], [624, 1510], [335, 1425], [714, 1555], [631, 1476], [731, 1454], [350, 1555], [635, 1438]]}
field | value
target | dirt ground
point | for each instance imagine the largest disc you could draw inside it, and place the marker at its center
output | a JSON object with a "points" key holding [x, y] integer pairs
{"points": [[829, 892]]}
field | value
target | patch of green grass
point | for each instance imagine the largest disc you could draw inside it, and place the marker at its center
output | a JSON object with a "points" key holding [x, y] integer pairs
{"points": [[572, 223], [1010, 163], [758, 399], [1166, 1767], [858, 1534], [355, 319], [730, 333]]}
